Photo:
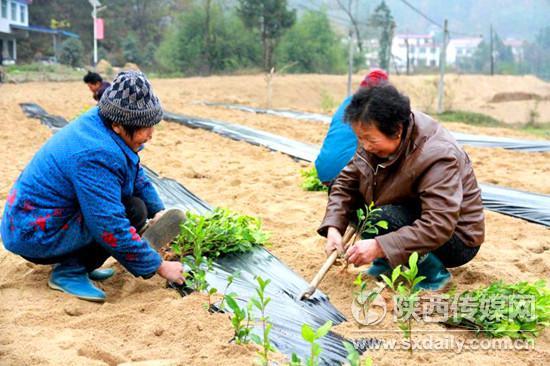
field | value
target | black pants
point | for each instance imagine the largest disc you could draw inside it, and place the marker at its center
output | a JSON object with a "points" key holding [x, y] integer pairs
{"points": [[94, 255], [453, 253]]}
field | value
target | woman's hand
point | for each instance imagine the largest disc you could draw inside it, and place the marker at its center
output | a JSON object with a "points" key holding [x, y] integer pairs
{"points": [[334, 241], [172, 271], [364, 252]]}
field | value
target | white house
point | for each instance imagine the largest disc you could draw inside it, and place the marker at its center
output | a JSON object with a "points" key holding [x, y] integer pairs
{"points": [[516, 45], [422, 51], [12, 13], [461, 48]]}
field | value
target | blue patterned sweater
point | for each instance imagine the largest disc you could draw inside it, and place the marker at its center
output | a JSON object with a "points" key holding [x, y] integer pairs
{"points": [[338, 147], [71, 194]]}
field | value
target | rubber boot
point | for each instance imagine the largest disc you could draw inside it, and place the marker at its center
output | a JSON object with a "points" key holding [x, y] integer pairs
{"points": [[72, 278], [380, 266], [437, 276], [101, 274]]}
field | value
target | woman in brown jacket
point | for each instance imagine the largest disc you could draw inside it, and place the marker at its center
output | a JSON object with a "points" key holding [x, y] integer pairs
{"points": [[413, 169]]}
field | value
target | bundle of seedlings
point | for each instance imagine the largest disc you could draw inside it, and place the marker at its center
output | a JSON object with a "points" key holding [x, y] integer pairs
{"points": [[203, 238], [520, 310]]}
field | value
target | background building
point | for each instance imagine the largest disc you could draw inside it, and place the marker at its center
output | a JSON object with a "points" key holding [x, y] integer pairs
{"points": [[12, 13]]}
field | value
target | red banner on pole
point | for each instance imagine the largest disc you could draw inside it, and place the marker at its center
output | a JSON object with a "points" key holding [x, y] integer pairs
{"points": [[99, 28]]}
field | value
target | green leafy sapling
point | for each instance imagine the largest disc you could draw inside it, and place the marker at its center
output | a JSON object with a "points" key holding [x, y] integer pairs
{"points": [[368, 223], [311, 336], [219, 232], [354, 357], [203, 238], [198, 265], [260, 302], [311, 181], [362, 296], [403, 283], [230, 280], [241, 319], [519, 310], [367, 220]]}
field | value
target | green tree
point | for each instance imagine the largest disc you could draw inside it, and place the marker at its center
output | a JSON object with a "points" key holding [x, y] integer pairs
{"points": [[480, 62], [71, 52], [133, 29], [147, 20], [221, 42], [131, 50], [269, 19], [383, 21], [537, 54], [312, 45]]}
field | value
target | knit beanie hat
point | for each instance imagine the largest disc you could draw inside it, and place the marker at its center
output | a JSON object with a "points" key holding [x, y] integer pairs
{"points": [[375, 77], [130, 101]]}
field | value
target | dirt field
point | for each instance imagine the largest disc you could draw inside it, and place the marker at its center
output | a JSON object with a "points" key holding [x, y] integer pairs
{"points": [[142, 321]]}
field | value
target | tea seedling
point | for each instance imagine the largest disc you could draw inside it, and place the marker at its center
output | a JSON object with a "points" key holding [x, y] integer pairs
{"points": [[230, 280], [311, 336], [368, 223], [518, 310], [311, 181], [367, 220], [362, 297], [240, 320], [198, 266], [220, 232], [203, 238], [404, 284], [354, 358], [261, 303]]}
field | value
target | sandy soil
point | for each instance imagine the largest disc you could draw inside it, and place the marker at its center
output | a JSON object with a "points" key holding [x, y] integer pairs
{"points": [[323, 93], [142, 321]]}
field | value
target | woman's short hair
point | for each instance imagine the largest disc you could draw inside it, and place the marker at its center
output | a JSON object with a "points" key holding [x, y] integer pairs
{"points": [[382, 106], [92, 78]]}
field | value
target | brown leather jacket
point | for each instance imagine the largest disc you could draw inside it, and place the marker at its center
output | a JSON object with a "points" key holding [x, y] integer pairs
{"points": [[428, 170]]}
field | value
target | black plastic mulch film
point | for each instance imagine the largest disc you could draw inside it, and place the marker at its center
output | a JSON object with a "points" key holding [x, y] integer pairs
{"points": [[286, 312], [525, 205], [462, 138]]}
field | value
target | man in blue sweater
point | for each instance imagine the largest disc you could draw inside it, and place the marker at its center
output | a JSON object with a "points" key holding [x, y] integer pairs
{"points": [[340, 142], [84, 196]]}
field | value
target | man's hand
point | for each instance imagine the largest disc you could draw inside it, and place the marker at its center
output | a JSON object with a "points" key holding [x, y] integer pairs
{"points": [[172, 271], [364, 252], [155, 218], [334, 241]]}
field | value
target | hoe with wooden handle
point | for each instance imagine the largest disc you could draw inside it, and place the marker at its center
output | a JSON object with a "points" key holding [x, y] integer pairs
{"points": [[326, 266]]}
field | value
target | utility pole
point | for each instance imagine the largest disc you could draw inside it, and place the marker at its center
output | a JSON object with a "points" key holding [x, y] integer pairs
{"points": [[442, 62], [96, 5], [350, 60], [491, 46]]}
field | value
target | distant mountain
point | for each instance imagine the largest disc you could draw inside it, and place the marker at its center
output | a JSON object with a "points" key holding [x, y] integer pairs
{"points": [[519, 19]]}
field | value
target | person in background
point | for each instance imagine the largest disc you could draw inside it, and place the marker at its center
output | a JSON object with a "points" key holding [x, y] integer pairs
{"points": [[340, 142], [413, 169], [96, 84], [84, 197]]}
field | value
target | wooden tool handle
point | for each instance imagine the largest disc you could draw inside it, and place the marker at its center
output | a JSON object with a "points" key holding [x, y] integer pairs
{"points": [[324, 269], [326, 266]]}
